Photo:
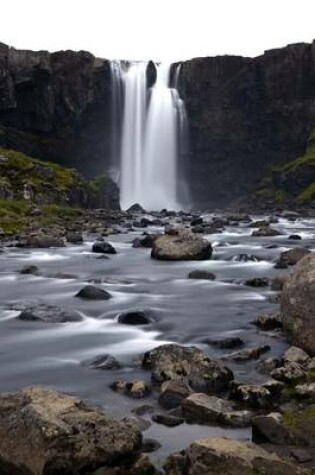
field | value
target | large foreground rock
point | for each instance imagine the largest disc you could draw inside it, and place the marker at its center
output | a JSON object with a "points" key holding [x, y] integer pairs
{"points": [[183, 246], [298, 303], [219, 456], [188, 364], [46, 433]]}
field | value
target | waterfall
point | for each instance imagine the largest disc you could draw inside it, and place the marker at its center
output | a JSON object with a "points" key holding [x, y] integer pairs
{"points": [[153, 130]]}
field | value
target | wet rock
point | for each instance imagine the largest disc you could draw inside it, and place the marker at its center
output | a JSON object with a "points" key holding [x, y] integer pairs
{"points": [[259, 224], [104, 362], [146, 242], [274, 387], [198, 229], [291, 257], [196, 221], [29, 270], [289, 373], [70, 437], [269, 321], [301, 456], [65, 275], [201, 274], [296, 355], [253, 396], [258, 282], [142, 410], [48, 314], [167, 420], [44, 241], [271, 428], [219, 456], [277, 283], [89, 292], [245, 258], [103, 247], [226, 343], [295, 237], [136, 208], [267, 365], [132, 389], [173, 393], [74, 238], [248, 353], [305, 390], [150, 445], [183, 246], [266, 231], [188, 364], [297, 305], [137, 317]]}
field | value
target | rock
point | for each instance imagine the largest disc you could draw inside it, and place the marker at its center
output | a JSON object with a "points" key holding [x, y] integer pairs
{"points": [[219, 456], [143, 409], [266, 231], [137, 317], [226, 343], [289, 373], [301, 456], [201, 274], [45, 432], [199, 229], [196, 221], [29, 270], [296, 355], [245, 258], [248, 353], [167, 420], [183, 246], [136, 208], [89, 292], [133, 389], [189, 364], [274, 387], [305, 390], [277, 283], [65, 275], [297, 305], [104, 362], [74, 238], [295, 237], [258, 282], [48, 314], [270, 428], [146, 242], [103, 247], [44, 241], [291, 257], [173, 393], [150, 445], [267, 365], [253, 396], [269, 321]]}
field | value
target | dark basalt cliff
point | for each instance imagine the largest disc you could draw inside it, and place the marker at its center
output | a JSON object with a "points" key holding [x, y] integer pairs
{"points": [[245, 114]]}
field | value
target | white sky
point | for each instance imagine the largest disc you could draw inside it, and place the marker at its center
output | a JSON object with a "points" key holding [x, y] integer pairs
{"points": [[157, 29]]}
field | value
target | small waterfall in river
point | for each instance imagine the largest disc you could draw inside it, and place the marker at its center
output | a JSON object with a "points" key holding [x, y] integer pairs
{"points": [[152, 138]]}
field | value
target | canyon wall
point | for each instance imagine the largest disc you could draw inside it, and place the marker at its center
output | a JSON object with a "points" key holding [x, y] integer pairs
{"points": [[245, 115]]}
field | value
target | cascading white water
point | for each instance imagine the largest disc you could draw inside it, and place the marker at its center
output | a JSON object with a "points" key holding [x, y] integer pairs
{"points": [[150, 136], [131, 180]]}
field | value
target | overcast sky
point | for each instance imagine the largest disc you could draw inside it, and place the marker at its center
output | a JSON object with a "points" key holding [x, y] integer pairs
{"points": [[167, 30]]}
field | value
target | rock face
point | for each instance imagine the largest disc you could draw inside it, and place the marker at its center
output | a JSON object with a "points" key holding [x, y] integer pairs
{"points": [[189, 364], [244, 114], [44, 432], [181, 247], [218, 456], [297, 304]]}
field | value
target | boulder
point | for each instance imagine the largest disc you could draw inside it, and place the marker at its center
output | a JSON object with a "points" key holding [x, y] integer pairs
{"points": [[173, 393], [289, 373], [29, 270], [136, 208], [188, 364], [296, 355], [220, 456], [74, 238], [48, 314], [253, 396], [258, 282], [298, 303], [245, 258], [183, 246], [201, 274], [44, 241], [269, 321], [89, 292], [305, 390], [103, 247], [104, 362], [248, 353], [271, 428], [277, 283], [146, 242], [132, 389], [227, 343], [44, 432], [136, 317], [266, 231], [167, 420], [291, 257]]}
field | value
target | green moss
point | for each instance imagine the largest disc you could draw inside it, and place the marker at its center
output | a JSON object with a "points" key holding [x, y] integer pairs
{"points": [[277, 195], [308, 158], [294, 419], [308, 194]]}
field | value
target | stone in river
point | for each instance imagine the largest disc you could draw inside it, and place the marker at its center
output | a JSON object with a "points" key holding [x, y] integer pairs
{"points": [[103, 247], [48, 314], [89, 292], [137, 317], [180, 247]]}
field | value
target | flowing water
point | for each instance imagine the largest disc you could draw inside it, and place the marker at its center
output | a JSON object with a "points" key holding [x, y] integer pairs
{"points": [[152, 137], [36, 353]]}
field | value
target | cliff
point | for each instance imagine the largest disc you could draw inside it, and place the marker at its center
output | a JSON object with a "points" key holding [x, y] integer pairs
{"points": [[245, 115]]}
